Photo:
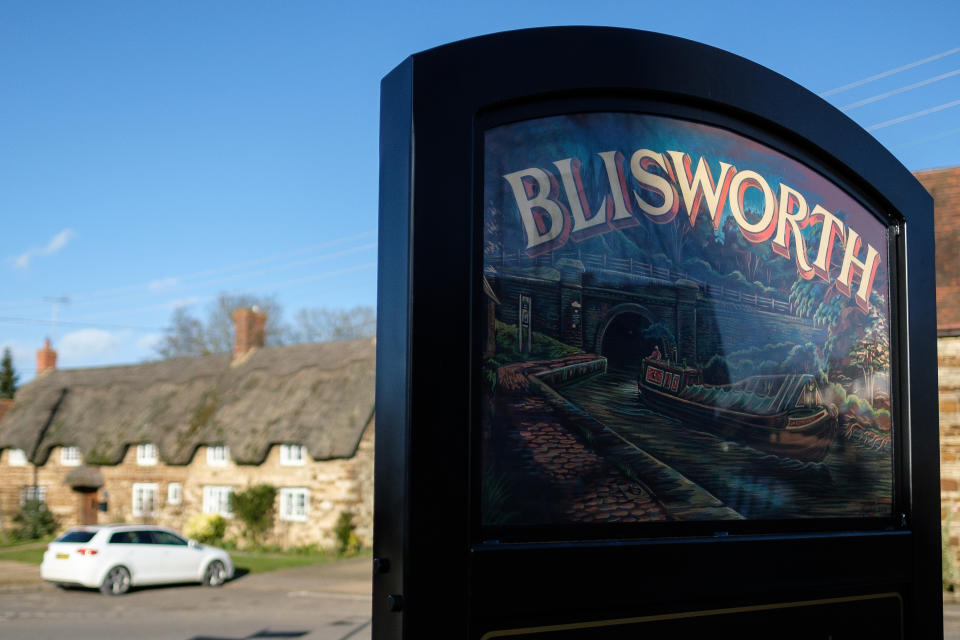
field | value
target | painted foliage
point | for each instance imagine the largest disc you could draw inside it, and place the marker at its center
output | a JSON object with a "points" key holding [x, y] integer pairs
{"points": [[682, 324]]}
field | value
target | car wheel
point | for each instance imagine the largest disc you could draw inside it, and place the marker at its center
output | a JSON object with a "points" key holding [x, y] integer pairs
{"points": [[117, 582], [215, 575]]}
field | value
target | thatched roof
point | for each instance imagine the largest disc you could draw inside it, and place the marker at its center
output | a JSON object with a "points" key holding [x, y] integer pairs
{"points": [[318, 395], [84, 477]]}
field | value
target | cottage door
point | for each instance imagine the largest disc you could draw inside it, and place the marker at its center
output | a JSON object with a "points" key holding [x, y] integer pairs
{"points": [[88, 506]]}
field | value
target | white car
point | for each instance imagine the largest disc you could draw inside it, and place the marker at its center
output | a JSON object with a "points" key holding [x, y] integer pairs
{"points": [[114, 558]]}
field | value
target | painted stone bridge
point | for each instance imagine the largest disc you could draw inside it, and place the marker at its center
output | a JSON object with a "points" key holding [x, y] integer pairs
{"points": [[608, 307]]}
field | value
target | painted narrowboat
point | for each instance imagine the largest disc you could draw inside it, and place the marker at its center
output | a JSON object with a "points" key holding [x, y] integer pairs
{"points": [[780, 414]]}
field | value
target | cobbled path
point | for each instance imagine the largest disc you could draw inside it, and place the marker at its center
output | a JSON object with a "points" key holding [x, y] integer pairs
{"points": [[592, 489]]}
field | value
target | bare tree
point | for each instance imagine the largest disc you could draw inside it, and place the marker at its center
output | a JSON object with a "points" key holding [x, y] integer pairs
{"points": [[188, 336], [219, 327], [326, 325], [184, 337]]}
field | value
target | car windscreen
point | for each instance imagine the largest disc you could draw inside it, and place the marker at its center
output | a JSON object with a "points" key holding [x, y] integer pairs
{"points": [[76, 536]]}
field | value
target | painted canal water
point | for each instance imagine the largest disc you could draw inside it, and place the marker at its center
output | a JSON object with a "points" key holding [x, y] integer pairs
{"points": [[853, 480]]}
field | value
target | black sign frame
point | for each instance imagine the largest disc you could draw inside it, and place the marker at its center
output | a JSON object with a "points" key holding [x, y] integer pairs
{"points": [[435, 568]]}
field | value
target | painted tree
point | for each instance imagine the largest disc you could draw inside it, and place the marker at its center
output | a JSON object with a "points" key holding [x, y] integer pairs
{"points": [[871, 353], [8, 377]]}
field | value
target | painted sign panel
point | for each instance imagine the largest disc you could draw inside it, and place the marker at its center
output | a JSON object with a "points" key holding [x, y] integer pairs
{"points": [[682, 324]]}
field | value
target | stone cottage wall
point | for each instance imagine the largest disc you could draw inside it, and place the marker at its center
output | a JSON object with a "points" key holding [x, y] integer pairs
{"points": [[335, 486], [948, 359]]}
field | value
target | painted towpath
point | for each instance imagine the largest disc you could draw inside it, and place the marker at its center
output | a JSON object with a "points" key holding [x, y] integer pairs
{"points": [[582, 470]]}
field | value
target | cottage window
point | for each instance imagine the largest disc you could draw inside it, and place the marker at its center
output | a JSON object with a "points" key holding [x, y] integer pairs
{"points": [[146, 454], [145, 498], [174, 493], [70, 456], [32, 493], [293, 455], [217, 455], [216, 499], [16, 457], [294, 504]]}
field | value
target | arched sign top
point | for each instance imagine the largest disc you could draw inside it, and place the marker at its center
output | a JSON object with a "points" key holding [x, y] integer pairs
{"points": [[512, 67]]}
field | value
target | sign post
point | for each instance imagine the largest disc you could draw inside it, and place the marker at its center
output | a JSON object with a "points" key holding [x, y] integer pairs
{"points": [[655, 355]]}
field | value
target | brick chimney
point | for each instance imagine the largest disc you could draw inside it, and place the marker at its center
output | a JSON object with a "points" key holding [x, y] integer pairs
{"points": [[46, 358], [248, 331]]}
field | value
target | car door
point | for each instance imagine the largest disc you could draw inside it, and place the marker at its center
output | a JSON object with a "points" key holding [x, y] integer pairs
{"points": [[135, 550], [180, 561]]}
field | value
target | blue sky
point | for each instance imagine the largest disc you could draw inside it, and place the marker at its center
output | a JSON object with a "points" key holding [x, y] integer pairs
{"points": [[156, 154]]}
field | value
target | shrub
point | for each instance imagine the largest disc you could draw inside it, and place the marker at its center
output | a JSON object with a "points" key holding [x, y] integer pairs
{"points": [[206, 528], [347, 540], [254, 507], [34, 521]]}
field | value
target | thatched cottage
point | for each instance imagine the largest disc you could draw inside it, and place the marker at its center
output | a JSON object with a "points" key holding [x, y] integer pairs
{"points": [[160, 441]]}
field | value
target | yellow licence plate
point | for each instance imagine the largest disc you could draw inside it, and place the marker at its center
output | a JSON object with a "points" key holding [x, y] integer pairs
{"points": [[63, 556]]}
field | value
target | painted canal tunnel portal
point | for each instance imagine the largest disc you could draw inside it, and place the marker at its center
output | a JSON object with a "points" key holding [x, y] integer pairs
{"points": [[626, 340]]}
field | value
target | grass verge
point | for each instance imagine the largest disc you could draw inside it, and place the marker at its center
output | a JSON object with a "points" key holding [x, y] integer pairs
{"points": [[247, 561], [258, 562], [32, 555], [13, 545]]}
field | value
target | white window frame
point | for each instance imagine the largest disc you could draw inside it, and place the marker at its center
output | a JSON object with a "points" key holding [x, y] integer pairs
{"points": [[27, 493], [293, 455], [70, 456], [294, 504], [141, 505], [216, 499], [174, 493], [16, 457], [147, 455], [217, 455]]}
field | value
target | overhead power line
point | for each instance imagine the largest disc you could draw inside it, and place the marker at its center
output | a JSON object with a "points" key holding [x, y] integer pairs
{"points": [[890, 72], [266, 287], [911, 116], [887, 94], [924, 140], [88, 325], [123, 290]]}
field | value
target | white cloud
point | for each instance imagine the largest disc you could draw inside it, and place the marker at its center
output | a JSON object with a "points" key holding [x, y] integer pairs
{"points": [[149, 341], [184, 302], [56, 243], [163, 284], [89, 344]]}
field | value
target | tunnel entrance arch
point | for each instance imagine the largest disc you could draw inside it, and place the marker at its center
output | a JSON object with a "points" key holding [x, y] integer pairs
{"points": [[621, 338]]}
